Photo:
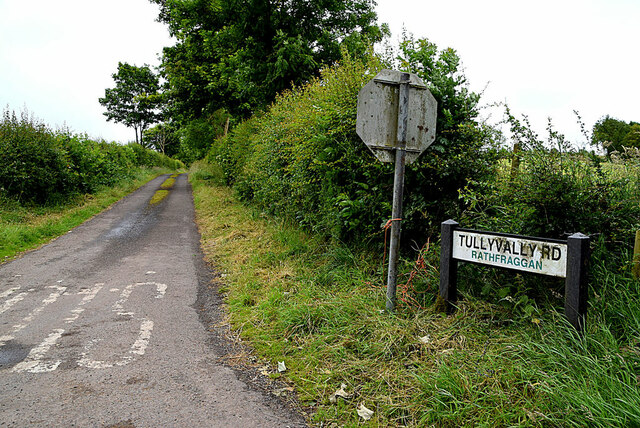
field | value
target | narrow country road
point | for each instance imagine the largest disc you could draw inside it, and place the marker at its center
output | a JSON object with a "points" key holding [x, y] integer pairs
{"points": [[107, 327]]}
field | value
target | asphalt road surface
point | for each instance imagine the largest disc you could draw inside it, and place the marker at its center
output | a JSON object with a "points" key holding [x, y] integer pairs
{"points": [[111, 325]]}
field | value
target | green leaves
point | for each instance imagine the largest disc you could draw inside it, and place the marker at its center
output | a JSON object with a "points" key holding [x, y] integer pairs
{"points": [[615, 135], [303, 160], [135, 100], [238, 54], [42, 166]]}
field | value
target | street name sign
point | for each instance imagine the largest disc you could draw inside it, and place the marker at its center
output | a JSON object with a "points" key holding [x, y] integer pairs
{"points": [[567, 259], [546, 257]]}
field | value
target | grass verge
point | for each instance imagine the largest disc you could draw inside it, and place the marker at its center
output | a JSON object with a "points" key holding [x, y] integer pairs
{"points": [[318, 308], [26, 227]]}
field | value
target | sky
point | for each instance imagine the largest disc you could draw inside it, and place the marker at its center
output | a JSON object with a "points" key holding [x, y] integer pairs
{"points": [[545, 58], [57, 58]]}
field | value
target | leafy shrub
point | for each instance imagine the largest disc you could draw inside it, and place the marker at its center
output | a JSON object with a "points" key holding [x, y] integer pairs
{"points": [[32, 165], [303, 160], [40, 166], [554, 192], [557, 191]]}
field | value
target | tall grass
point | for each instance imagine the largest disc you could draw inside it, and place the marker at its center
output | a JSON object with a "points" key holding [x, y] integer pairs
{"points": [[320, 308]]}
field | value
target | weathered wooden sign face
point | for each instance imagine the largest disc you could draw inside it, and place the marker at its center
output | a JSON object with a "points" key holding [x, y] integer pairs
{"points": [[543, 257], [377, 121]]}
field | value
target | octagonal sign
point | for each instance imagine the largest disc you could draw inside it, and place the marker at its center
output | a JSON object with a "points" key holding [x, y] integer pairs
{"points": [[377, 120]]}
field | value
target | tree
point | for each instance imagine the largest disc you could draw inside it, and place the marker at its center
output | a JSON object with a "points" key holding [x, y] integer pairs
{"points": [[462, 153], [238, 54], [163, 138], [613, 134], [632, 139], [135, 100]]}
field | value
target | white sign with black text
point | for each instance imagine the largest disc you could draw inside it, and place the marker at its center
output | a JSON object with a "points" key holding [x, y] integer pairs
{"points": [[544, 257]]}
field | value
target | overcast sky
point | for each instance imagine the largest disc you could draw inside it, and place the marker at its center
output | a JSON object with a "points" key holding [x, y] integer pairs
{"points": [[545, 58]]}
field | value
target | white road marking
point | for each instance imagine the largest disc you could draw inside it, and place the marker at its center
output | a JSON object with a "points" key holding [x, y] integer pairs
{"points": [[89, 294], [75, 313], [139, 347], [162, 289], [33, 363], [26, 320], [141, 343], [9, 303], [8, 292]]}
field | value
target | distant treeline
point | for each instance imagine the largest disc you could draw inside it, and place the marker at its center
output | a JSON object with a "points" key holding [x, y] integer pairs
{"points": [[40, 165]]}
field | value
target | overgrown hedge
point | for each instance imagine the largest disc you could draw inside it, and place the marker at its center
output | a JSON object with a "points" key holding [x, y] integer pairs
{"points": [[39, 165], [557, 190], [303, 160]]}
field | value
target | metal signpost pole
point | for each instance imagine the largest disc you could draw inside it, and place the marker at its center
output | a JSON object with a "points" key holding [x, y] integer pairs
{"points": [[397, 121], [398, 187]]}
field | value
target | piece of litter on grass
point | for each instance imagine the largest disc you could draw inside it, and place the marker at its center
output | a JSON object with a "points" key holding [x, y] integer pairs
{"points": [[425, 339], [281, 392], [281, 367], [264, 370], [339, 393], [364, 413]]}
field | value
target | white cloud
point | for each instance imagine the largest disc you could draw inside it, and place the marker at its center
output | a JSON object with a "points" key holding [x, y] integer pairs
{"points": [[57, 58], [545, 58]]}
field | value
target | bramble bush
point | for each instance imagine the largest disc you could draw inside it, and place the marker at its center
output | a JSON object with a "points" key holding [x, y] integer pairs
{"points": [[303, 160], [42, 166], [556, 191]]}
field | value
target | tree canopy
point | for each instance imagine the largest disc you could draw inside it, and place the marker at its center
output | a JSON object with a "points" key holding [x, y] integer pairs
{"points": [[613, 134], [238, 54], [135, 100]]}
